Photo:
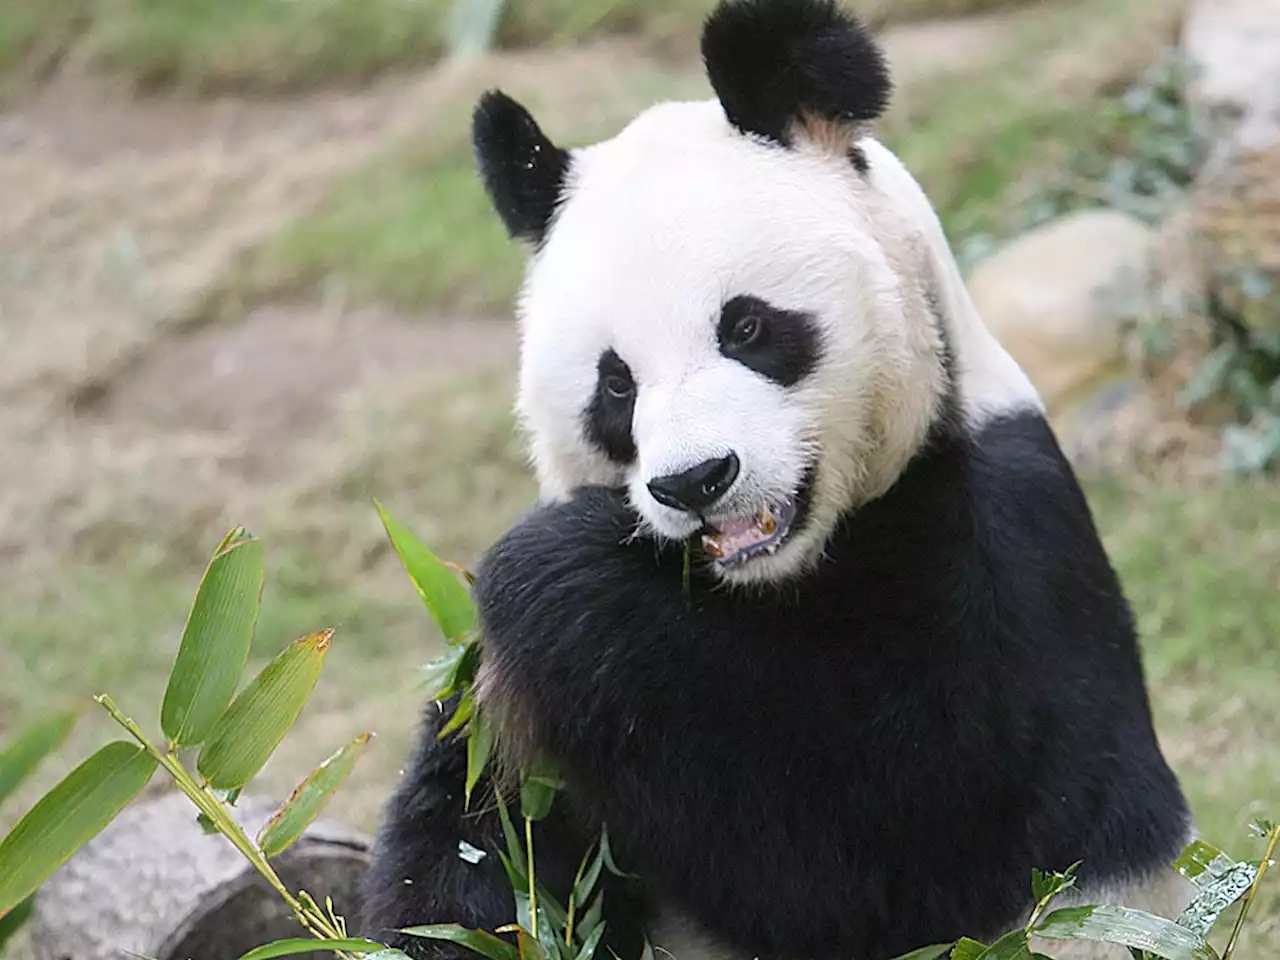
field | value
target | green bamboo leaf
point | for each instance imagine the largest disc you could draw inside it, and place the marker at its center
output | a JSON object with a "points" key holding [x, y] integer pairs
{"points": [[1127, 927], [216, 640], [538, 791], [12, 922], [935, 952], [309, 798], [246, 735], [1012, 946], [1203, 863], [482, 942], [967, 949], [439, 675], [479, 748], [589, 945], [21, 757], [461, 714], [591, 919], [68, 816], [588, 875], [446, 598], [1201, 914], [296, 945], [529, 948]]}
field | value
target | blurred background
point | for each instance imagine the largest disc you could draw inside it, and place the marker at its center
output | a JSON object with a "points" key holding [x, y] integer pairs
{"points": [[248, 276]]}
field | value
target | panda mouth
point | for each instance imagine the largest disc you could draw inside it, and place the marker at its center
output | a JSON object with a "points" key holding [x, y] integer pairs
{"points": [[738, 539]]}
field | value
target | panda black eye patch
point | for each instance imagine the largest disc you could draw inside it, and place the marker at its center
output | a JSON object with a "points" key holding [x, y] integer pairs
{"points": [[608, 415], [782, 345]]}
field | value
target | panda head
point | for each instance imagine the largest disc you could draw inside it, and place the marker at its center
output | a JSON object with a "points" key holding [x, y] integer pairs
{"points": [[737, 309]]}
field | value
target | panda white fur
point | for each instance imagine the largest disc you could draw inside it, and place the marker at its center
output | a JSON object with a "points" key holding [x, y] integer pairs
{"points": [[902, 672]]}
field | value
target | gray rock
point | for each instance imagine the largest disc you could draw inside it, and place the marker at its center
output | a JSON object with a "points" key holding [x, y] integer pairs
{"points": [[1052, 298], [153, 883]]}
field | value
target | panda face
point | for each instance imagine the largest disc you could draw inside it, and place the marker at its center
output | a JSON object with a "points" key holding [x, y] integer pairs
{"points": [[706, 324], [734, 308]]}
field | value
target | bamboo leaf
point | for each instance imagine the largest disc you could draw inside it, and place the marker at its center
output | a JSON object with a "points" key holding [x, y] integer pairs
{"points": [[538, 791], [21, 757], [12, 922], [589, 945], [967, 949], [1202, 863], [462, 713], [1201, 914], [1127, 927], [296, 945], [68, 816], [216, 640], [482, 942], [479, 748], [438, 676], [936, 952], [309, 798], [248, 733], [446, 598], [1012, 946]]}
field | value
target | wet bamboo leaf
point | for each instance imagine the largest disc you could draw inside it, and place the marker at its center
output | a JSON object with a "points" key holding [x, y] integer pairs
{"points": [[304, 805], [20, 758], [1126, 927], [12, 922], [1203, 863], [247, 734], [470, 852], [479, 748], [515, 846], [216, 640], [446, 598], [608, 857], [1214, 897], [68, 816], [936, 952], [388, 954], [296, 945], [482, 942]]}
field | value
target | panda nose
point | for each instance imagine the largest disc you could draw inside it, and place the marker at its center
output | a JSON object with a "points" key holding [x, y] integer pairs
{"points": [[698, 487]]}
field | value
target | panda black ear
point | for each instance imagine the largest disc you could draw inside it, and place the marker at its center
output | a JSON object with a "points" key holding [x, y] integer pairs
{"points": [[523, 172], [778, 63]]}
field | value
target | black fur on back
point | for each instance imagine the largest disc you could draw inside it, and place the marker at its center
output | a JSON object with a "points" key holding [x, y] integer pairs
{"points": [[772, 62], [867, 761]]}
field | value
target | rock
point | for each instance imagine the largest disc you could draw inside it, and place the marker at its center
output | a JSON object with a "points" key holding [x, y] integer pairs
{"points": [[1050, 297], [1234, 47], [155, 884]]}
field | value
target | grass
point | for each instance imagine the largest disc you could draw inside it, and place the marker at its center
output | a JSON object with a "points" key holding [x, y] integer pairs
{"points": [[276, 46], [415, 230]]}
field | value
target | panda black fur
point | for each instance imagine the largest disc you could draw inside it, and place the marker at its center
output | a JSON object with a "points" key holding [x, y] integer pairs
{"points": [[861, 739]]}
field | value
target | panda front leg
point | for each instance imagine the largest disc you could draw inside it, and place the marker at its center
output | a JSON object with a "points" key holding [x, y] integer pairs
{"points": [[419, 874]]}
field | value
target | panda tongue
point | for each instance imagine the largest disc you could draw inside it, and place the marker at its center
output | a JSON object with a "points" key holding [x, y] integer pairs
{"points": [[740, 533]]}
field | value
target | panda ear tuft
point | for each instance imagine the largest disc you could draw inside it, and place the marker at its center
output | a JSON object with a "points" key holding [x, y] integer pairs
{"points": [[523, 172], [776, 64]]}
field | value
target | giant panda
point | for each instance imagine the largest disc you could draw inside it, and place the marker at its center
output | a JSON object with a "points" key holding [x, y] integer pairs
{"points": [[812, 613]]}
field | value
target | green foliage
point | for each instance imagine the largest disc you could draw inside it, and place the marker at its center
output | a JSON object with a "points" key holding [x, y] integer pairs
{"points": [[1138, 152]]}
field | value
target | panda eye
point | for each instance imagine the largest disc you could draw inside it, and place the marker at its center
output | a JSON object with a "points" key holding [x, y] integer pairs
{"points": [[618, 387], [746, 330]]}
